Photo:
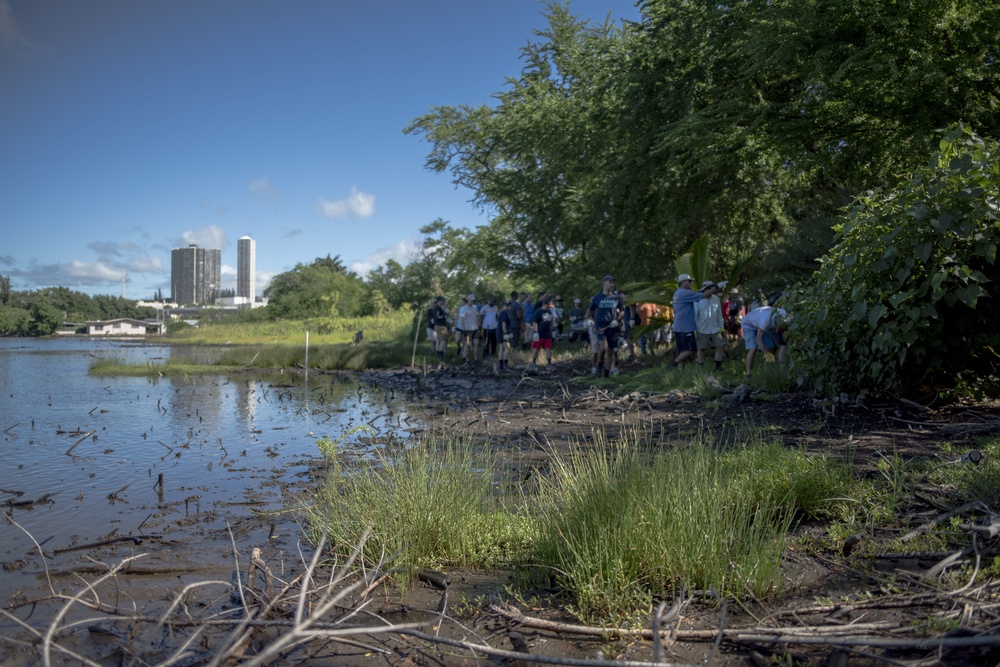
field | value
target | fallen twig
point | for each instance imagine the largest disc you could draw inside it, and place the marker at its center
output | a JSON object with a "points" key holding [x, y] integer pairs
{"points": [[941, 518], [85, 436], [101, 543]]}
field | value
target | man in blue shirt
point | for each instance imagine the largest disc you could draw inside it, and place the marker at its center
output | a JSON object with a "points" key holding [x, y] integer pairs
{"points": [[685, 323], [607, 309]]}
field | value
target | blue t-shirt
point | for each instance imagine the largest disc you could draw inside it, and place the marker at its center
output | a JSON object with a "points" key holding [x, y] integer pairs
{"points": [[605, 308], [529, 312], [684, 319]]}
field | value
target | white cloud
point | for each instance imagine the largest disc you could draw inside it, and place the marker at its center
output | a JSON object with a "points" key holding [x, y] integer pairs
{"points": [[10, 35], [228, 276], [261, 186], [145, 265], [215, 209], [402, 252], [213, 237], [96, 272], [358, 204], [264, 279]]}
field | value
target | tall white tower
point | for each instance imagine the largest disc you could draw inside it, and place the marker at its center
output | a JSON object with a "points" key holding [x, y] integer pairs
{"points": [[246, 268]]}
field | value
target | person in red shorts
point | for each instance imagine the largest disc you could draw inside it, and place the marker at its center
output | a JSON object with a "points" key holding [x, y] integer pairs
{"points": [[541, 332]]}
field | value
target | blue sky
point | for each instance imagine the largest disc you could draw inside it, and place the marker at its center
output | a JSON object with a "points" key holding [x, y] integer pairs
{"points": [[129, 128]]}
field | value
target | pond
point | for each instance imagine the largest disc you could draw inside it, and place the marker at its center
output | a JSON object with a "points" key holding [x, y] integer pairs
{"points": [[94, 450]]}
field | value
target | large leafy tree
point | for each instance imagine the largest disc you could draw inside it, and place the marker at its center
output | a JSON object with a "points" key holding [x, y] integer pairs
{"points": [[906, 296], [617, 146], [323, 288], [449, 261]]}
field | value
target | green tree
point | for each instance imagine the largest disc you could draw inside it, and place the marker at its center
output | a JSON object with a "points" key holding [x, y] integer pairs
{"points": [[616, 147], [324, 288], [906, 296], [45, 319]]}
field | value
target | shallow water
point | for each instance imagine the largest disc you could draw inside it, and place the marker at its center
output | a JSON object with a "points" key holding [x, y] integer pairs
{"points": [[217, 441]]}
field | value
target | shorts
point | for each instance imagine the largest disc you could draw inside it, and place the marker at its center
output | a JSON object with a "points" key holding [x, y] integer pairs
{"points": [[706, 341], [595, 342], [541, 344], [471, 335], [441, 332], [431, 336], [515, 337], [686, 341], [610, 335], [750, 339]]}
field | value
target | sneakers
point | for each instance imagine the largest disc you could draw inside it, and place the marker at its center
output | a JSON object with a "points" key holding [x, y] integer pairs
{"points": [[595, 370], [615, 371]]}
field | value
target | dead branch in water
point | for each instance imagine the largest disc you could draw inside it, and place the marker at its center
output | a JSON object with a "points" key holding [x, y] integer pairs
{"points": [[85, 436]]}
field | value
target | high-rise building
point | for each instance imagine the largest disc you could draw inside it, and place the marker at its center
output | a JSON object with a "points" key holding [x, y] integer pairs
{"points": [[246, 268], [195, 274]]}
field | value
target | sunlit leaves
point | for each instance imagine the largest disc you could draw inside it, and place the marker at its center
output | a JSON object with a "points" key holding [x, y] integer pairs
{"points": [[913, 304]]}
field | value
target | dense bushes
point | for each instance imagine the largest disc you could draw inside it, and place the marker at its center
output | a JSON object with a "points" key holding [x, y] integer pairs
{"points": [[905, 297]]}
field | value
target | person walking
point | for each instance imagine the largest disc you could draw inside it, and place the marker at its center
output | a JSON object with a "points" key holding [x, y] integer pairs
{"points": [[517, 323], [685, 323], [709, 322], [439, 318], [505, 333], [468, 324], [606, 311], [488, 322], [541, 332]]}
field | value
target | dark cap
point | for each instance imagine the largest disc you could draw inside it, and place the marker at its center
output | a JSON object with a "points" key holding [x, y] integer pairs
{"points": [[607, 278], [440, 298]]}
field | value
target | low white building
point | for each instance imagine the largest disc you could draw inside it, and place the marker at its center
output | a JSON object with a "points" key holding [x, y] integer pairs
{"points": [[124, 326]]}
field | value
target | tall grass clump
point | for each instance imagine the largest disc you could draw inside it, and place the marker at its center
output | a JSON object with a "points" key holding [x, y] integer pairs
{"points": [[344, 356], [428, 506], [623, 525], [811, 484]]}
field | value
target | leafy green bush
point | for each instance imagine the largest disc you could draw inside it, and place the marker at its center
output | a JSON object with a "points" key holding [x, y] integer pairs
{"points": [[903, 297]]}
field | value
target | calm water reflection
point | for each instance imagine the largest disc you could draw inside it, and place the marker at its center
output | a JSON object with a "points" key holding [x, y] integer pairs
{"points": [[216, 440]]}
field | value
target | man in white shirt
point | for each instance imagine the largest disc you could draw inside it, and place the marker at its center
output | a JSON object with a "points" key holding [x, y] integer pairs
{"points": [[468, 325], [708, 317], [488, 321], [760, 332]]}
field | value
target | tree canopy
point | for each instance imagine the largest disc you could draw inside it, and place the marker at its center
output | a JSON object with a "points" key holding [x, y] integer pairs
{"points": [[756, 122]]}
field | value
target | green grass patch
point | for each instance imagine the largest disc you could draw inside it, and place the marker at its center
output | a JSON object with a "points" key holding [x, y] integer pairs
{"points": [[394, 327], [614, 524], [429, 506], [116, 367], [623, 526]]}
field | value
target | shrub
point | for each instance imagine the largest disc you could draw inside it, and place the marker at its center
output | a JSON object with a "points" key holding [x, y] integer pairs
{"points": [[903, 296]]}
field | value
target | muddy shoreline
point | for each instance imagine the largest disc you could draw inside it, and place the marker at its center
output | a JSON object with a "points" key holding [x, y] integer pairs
{"points": [[529, 415]]}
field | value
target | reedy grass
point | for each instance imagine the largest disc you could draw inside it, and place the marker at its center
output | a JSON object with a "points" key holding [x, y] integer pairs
{"points": [[432, 505], [395, 327], [615, 524], [113, 367], [622, 527]]}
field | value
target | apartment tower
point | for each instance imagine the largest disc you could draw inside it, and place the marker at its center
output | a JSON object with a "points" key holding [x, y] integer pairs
{"points": [[195, 275], [246, 269]]}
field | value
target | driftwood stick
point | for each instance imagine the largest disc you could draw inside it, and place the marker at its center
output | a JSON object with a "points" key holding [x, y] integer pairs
{"points": [[85, 436], [10, 428], [101, 543], [914, 404], [941, 518], [134, 570], [686, 635], [948, 562]]}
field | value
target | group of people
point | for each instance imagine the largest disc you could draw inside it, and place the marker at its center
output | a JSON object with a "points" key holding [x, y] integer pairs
{"points": [[516, 322], [700, 319], [698, 322]]}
